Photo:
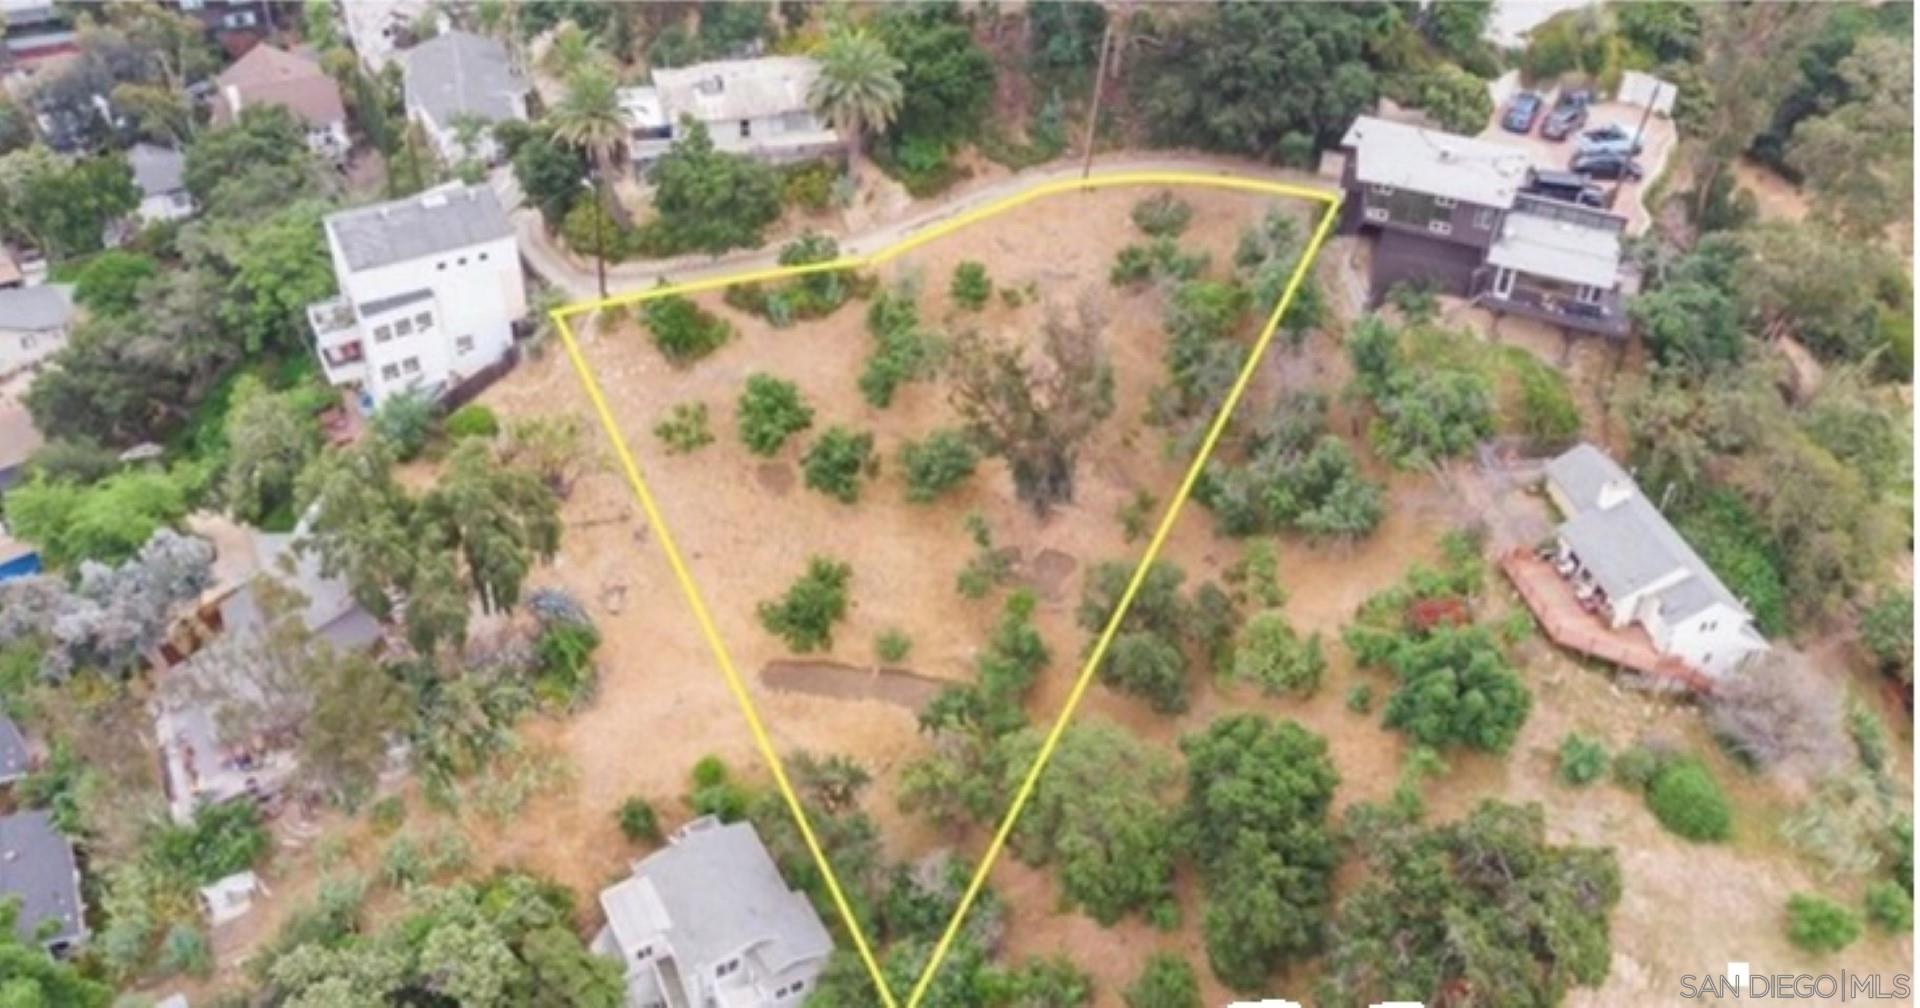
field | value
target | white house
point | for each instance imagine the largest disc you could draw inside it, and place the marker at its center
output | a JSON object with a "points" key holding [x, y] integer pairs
{"points": [[291, 80], [161, 174], [33, 324], [756, 107], [381, 29], [1616, 543], [458, 79], [709, 921], [430, 287]]}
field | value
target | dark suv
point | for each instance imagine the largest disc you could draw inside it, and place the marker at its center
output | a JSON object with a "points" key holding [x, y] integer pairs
{"points": [[1521, 113], [1605, 165], [1569, 114], [1566, 187]]}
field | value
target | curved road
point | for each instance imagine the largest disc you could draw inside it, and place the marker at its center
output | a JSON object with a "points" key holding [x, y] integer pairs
{"points": [[578, 280]]}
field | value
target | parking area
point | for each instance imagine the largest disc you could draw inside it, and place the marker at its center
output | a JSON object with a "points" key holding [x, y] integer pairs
{"points": [[1658, 140]]}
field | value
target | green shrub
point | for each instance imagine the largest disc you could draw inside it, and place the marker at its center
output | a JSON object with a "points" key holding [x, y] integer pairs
{"points": [[715, 793], [1162, 215], [937, 464], [1688, 801], [1360, 698], [809, 185], [183, 950], [401, 865], [1890, 908], [1278, 659], [387, 814], [892, 646], [683, 331], [769, 412], [1135, 514], [637, 821], [835, 464], [685, 429], [1818, 924], [903, 350], [970, 288], [805, 615], [1582, 760], [564, 652], [1166, 981], [405, 421], [472, 420], [1635, 766]]}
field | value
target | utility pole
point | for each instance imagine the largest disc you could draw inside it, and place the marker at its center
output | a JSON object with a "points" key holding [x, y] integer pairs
{"points": [[1099, 90], [1633, 151]]}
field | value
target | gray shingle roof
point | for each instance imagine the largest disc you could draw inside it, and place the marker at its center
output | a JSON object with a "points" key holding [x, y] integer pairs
{"points": [[157, 170], [15, 758], [437, 220], [1630, 545], [720, 892], [36, 865], [48, 306], [459, 73], [1581, 471]]}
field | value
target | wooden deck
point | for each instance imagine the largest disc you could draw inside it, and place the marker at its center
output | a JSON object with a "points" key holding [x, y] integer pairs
{"points": [[1553, 603]]}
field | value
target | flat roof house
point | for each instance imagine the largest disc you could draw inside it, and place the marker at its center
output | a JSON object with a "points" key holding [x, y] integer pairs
{"points": [[1450, 212], [430, 289], [15, 757], [756, 107], [708, 921], [458, 77], [268, 75], [161, 174], [1632, 567], [37, 868], [33, 324]]}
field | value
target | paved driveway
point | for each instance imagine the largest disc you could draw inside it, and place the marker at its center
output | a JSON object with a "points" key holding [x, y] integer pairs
{"points": [[1657, 145]]}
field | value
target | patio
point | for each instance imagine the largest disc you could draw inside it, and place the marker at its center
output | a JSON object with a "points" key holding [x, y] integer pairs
{"points": [[1568, 621]]}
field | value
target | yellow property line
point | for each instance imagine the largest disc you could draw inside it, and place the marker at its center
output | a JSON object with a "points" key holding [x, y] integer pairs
{"points": [[631, 470]]}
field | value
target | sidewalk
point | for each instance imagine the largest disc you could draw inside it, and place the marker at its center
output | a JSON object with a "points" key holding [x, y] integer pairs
{"points": [[576, 276]]}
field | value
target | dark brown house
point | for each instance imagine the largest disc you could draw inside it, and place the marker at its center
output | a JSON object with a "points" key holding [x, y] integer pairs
{"points": [[1450, 212]]}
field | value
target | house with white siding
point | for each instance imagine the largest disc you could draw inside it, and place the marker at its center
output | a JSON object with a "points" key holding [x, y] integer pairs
{"points": [[1630, 565], [708, 921], [756, 107], [430, 288]]}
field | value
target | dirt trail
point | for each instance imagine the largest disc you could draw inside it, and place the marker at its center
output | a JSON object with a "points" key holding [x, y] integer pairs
{"points": [[840, 681]]}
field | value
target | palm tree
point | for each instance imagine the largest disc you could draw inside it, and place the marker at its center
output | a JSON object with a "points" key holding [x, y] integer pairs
{"points": [[589, 117], [858, 88]]}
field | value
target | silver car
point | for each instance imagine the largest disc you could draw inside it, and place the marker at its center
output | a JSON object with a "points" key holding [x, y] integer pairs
{"points": [[1607, 138]]}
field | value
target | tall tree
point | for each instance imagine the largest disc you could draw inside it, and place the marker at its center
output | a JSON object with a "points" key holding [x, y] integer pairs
{"points": [[858, 88], [1746, 55], [1858, 156], [1036, 415], [589, 118]]}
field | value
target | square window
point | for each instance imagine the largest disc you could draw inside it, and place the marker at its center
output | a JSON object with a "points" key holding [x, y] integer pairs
{"points": [[463, 345], [463, 260], [1383, 190], [381, 334], [1377, 214], [423, 321], [1444, 202], [483, 257], [440, 265], [390, 371], [403, 327], [411, 364]]}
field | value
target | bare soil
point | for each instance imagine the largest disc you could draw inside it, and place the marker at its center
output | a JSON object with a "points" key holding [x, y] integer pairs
{"points": [[746, 530]]}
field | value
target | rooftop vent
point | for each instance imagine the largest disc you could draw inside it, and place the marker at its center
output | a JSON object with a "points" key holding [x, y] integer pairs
{"points": [[711, 85]]}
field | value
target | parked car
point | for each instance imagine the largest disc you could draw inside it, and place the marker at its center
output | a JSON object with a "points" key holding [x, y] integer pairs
{"points": [[1569, 114], [1608, 138], [1565, 186], [1605, 165], [1521, 112]]}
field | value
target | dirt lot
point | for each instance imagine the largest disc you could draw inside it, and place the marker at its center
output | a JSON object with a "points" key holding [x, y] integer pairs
{"points": [[747, 528]]}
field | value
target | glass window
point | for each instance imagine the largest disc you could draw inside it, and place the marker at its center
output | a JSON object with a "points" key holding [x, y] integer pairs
{"points": [[464, 344], [1444, 202], [411, 364], [381, 334], [390, 372], [403, 327], [423, 321], [1440, 227]]}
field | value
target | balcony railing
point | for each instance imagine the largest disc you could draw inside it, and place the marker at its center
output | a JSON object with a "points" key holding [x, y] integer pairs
{"points": [[331, 317], [1605, 317]]}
